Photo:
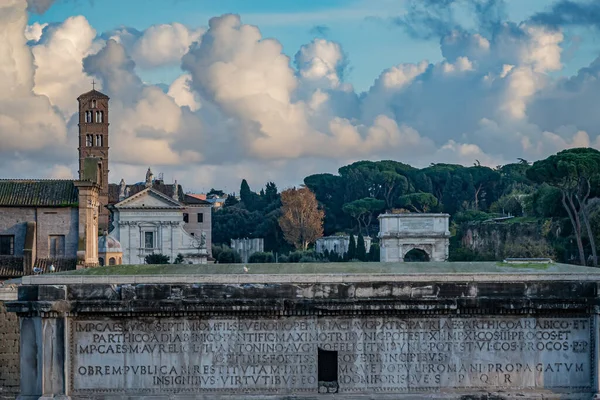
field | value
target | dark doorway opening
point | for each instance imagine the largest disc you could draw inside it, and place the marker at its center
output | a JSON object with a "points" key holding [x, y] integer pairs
{"points": [[416, 255], [328, 371]]}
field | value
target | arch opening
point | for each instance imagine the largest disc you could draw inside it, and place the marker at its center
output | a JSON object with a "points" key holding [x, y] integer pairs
{"points": [[416, 255]]}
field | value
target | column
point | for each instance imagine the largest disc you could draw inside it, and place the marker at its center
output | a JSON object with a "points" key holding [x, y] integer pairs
{"points": [[42, 358]]}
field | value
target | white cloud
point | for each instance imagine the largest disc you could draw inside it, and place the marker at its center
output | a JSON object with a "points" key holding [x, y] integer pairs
{"points": [[157, 46], [181, 91], [58, 59], [34, 31], [241, 109], [27, 121]]}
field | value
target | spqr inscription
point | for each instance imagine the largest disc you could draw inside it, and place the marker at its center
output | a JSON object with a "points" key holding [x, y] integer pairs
{"points": [[281, 355]]}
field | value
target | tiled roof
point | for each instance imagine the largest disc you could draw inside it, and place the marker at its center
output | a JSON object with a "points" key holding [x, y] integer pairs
{"points": [[93, 93], [194, 200], [37, 193], [198, 196], [166, 189]]}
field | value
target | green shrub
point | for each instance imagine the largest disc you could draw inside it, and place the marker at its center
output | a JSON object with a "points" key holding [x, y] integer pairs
{"points": [[228, 256], [261, 258], [156, 258]]}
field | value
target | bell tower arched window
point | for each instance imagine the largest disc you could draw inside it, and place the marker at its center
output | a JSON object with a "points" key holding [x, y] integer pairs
{"points": [[93, 103], [88, 116], [89, 140], [99, 140]]}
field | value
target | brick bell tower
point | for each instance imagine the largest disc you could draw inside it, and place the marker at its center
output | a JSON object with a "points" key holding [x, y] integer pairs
{"points": [[93, 142]]}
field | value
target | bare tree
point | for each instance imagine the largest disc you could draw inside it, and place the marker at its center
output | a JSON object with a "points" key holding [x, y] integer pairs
{"points": [[301, 220]]}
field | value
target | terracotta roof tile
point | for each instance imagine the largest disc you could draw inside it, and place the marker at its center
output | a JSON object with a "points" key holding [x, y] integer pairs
{"points": [[93, 93]]}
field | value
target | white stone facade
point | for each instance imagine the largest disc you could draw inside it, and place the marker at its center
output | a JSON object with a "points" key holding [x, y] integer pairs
{"points": [[338, 244], [246, 247], [151, 222], [401, 233]]}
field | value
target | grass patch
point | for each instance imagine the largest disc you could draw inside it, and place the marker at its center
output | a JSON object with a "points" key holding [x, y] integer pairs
{"points": [[541, 266], [367, 268]]}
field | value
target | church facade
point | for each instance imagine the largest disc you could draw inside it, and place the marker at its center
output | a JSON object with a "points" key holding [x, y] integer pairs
{"points": [[150, 222]]}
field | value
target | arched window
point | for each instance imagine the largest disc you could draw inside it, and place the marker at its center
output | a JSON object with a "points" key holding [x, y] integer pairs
{"points": [[93, 103], [99, 140], [112, 261], [101, 261], [89, 140], [101, 116], [88, 116]]}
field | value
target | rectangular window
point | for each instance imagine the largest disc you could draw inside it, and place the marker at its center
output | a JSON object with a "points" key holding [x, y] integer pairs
{"points": [[149, 240], [200, 217], [186, 218], [56, 245], [89, 140], [7, 245]]}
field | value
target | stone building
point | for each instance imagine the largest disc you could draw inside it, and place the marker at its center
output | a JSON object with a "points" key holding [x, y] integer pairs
{"points": [[337, 244], [246, 247], [423, 236], [49, 221], [150, 222], [197, 218]]}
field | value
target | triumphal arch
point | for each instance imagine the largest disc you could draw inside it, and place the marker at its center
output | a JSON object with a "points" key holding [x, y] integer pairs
{"points": [[401, 235]]}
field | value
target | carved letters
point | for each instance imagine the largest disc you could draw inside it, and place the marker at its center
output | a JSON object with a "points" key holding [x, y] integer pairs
{"points": [[281, 355]]}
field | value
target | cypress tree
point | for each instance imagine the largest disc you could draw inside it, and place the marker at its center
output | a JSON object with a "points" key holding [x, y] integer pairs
{"points": [[374, 252], [352, 248], [361, 250]]}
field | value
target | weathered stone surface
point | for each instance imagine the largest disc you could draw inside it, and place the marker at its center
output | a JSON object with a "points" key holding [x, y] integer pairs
{"points": [[9, 354], [502, 335], [377, 354]]}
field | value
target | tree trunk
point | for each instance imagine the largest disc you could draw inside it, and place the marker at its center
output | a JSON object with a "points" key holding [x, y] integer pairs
{"points": [[388, 197], [588, 227], [477, 198], [574, 217], [586, 220]]}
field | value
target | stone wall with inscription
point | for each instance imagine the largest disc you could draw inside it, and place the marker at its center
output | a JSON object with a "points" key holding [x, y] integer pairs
{"points": [[478, 336], [384, 355]]}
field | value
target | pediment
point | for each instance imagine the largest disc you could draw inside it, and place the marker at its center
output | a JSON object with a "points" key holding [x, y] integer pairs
{"points": [[149, 198]]}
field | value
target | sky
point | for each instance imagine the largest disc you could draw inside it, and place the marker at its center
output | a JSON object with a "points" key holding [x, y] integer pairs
{"points": [[209, 93]]}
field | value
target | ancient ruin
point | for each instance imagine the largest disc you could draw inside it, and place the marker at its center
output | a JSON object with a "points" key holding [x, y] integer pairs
{"points": [[394, 331]]}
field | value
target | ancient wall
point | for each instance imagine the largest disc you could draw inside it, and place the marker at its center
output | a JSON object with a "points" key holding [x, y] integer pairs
{"points": [[310, 355], [495, 241], [9, 354], [523, 334]]}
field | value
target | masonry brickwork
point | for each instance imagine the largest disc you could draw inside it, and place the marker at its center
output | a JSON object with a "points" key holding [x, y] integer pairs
{"points": [[49, 221], [9, 354]]}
